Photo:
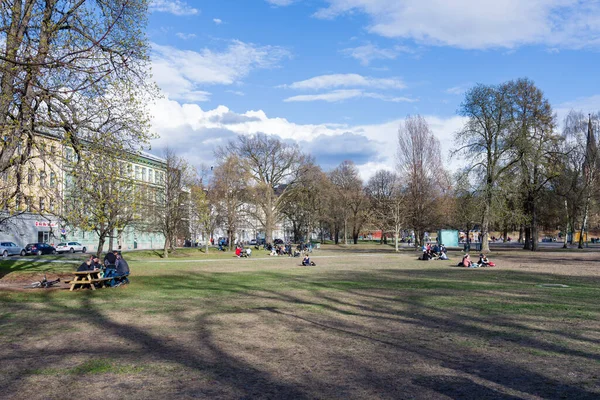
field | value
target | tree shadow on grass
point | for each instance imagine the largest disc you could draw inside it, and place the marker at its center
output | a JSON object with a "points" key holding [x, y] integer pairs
{"points": [[355, 309]]}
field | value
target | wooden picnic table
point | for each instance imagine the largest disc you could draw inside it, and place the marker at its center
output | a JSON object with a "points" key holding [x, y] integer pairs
{"points": [[88, 278]]}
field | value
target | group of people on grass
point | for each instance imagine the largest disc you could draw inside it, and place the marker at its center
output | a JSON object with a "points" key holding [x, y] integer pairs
{"points": [[241, 252], [434, 252], [483, 262], [114, 266]]}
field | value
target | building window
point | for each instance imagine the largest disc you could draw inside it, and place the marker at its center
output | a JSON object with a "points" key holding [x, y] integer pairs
{"points": [[150, 175], [30, 177], [51, 205], [42, 204], [18, 202], [69, 154], [52, 179], [144, 174], [52, 150], [129, 171], [43, 151], [28, 203], [137, 172], [43, 178]]}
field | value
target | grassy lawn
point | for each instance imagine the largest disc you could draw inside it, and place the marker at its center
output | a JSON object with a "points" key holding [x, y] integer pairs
{"points": [[364, 323]]}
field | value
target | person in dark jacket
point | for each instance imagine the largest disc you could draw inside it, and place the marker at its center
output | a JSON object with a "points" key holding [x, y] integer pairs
{"points": [[96, 262], [86, 266], [122, 266], [110, 258]]}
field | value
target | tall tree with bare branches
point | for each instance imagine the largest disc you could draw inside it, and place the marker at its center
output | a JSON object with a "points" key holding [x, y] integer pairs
{"points": [[423, 177], [273, 166]]}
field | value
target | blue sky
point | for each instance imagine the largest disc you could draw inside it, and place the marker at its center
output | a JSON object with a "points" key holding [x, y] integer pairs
{"points": [[338, 76]]}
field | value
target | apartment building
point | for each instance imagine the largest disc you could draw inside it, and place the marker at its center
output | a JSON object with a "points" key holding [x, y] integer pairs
{"points": [[35, 211]]}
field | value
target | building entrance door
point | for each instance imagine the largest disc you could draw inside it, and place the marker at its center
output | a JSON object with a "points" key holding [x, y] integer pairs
{"points": [[43, 237]]}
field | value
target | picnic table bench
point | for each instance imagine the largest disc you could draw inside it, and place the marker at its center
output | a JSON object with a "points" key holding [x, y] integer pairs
{"points": [[88, 278]]}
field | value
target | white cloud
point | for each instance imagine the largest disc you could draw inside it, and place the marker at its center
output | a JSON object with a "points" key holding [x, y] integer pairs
{"points": [[479, 24], [369, 52], [340, 95], [236, 92], [185, 36], [182, 73], [217, 21], [175, 7], [280, 3], [587, 105], [195, 133], [347, 80], [458, 90]]}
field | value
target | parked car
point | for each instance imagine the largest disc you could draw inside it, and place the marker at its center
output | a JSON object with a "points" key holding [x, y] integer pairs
{"points": [[10, 249], [277, 241], [253, 242], [39, 249], [71, 247]]}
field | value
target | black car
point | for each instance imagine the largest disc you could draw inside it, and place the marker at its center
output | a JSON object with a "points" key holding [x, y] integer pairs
{"points": [[39, 249], [277, 241]]}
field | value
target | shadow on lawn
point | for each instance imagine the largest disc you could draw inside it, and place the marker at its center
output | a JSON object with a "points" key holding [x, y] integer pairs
{"points": [[397, 323]]}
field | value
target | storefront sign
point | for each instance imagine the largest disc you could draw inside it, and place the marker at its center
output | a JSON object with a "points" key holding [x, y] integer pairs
{"points": [[45, 224]]}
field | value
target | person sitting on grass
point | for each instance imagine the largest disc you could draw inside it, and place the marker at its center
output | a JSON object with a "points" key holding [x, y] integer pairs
{"points": [[238, 251], [307, 263], [86, 266], [466, 261], [484, 262]]}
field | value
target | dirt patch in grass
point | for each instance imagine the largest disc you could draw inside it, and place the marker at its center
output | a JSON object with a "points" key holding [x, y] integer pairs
{"points": [[357, 326]]}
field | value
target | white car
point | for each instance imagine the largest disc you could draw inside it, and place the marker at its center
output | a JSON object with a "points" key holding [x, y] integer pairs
{"points": [[71, 247]]}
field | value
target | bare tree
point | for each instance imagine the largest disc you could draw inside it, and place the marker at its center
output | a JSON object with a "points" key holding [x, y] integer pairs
{"points": [[350, 196], [305, 201], [382, 192], [173, 204], [273, 166], [229, 191], [423, 177], [100, 196]]}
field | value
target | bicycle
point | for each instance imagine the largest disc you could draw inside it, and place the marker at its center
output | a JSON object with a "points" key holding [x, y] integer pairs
{"points": [[44, 283]]}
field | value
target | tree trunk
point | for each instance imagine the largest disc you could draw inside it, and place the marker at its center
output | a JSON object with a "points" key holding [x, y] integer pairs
{"points": [[110, 242], [397, 241], [485, 223], [520, 234], [337, 235], [534, 227], [101, 240], [345, 231], [166, 247], [527, 245], [269, 217], [584, 222], [566, 231]]}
